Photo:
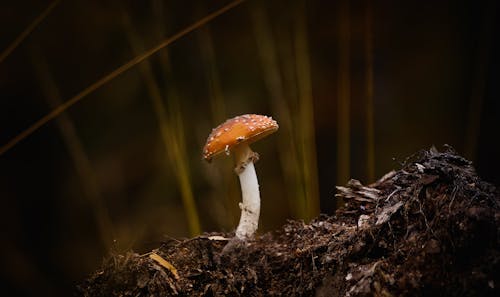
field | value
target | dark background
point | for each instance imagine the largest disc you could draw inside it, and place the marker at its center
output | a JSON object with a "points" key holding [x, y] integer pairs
{"points": [[100, 177]]}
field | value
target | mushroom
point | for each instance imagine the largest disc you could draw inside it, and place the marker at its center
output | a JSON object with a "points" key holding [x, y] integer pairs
{"points": [[234, 136]]}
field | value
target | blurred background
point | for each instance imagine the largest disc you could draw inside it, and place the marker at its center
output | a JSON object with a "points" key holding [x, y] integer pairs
{"points": [[356, 87]]}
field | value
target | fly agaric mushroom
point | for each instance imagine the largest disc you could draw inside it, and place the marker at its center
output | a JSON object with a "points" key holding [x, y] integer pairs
{"points": [[234, 136]]}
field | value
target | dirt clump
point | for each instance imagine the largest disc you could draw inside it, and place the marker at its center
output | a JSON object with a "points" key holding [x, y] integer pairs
{"points": [[429, 229]]}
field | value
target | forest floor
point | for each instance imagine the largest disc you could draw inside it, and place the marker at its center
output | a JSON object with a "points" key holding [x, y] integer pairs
{"points": [[431, 228]]}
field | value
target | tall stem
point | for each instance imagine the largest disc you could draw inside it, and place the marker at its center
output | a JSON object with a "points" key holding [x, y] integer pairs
{"points": [[250, 205]]}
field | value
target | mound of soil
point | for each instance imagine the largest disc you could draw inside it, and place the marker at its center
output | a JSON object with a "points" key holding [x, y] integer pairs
{"points": [[429, 229]]}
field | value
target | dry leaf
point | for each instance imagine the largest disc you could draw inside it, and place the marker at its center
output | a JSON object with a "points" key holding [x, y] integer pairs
{"points": [[165, 264]]}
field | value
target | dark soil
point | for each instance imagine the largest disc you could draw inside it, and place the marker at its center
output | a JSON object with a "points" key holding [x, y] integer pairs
{"points": [[429, 229]]}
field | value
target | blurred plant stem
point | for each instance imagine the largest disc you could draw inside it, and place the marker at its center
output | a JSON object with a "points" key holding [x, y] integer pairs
{"points": [[28, 30], [218, 107], [296, 142], [76, 150], [171, 129], [112, 75], [306, 136], [219, 115], [370, 129], [281, 110], [343, 95]]}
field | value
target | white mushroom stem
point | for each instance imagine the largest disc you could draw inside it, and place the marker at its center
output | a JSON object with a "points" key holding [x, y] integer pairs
{"points": [[250, 205]]}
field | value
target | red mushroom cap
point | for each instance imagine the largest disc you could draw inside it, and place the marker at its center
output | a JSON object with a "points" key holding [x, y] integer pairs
{"points": [[246, 128]]}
